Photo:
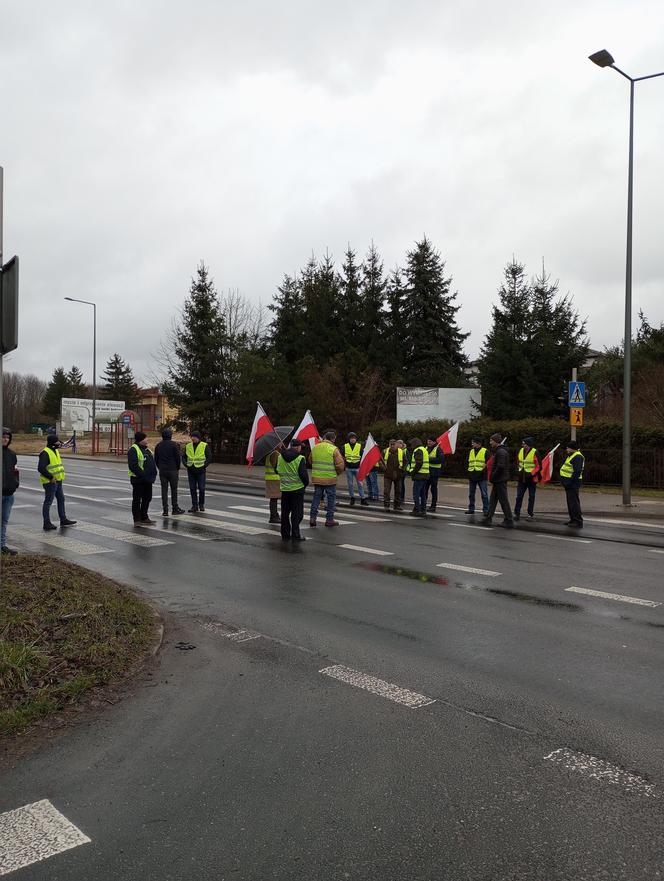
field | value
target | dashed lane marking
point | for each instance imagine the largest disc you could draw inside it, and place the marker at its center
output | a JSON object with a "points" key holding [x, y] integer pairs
{"points": [[581, 541], [618, 597], [229, 632], [34, 539], [143, 541], [265, 511], [470, 569], [375, 551], [652, 550], [599, 769], [624, 522], [34, 833], [395, 693]]}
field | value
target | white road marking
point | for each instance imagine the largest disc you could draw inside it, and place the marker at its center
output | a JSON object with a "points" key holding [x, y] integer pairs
{"points": [[624, 522], [34, 539], [185, 533], [395, 693], [470, 569], [652, 550], [143, 541], [582, 541], [229, 633], [599, 769], [34, 833], [368, 550], [618, 597], [80, 486], [467, 526], [266, 511], [230, 527], [16, 507], [71, 495]]}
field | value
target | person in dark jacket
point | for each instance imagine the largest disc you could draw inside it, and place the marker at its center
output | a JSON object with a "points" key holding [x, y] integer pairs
{"points": [[571, 477], [436, 462], [167, 458], [142, 473], [500, 474], [197, 457], [52, 476], [9, 487], [293, 478]]}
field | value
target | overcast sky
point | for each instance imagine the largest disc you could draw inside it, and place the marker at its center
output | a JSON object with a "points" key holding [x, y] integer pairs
{"points": [[138, 138]]}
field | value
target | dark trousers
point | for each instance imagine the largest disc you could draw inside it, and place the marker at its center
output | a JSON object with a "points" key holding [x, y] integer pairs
{"points": [[574, 504], [141, 497], [169, 478], [274, 508], [53, 491], [432, 484], [292, 512], [472, 492], [521, 488], [499, 494], [197, 487], [388, 483], [420, 495]]}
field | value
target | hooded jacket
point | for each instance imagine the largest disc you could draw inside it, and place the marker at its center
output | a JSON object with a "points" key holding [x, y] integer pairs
{"points": [[167, 456], [500, 468], [43, 462], [9, 470]]}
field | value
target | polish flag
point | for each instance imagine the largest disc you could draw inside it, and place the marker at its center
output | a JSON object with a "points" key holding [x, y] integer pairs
{"points": [[370, 457], [307, 430], [546, 468], [448, 440], [261, 426]]}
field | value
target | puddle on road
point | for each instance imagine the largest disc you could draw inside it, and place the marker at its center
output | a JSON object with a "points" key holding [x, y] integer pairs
{"points": [[427, 577]]}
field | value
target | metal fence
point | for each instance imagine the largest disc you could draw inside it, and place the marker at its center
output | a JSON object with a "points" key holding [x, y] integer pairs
{"points": [[602, 466]]}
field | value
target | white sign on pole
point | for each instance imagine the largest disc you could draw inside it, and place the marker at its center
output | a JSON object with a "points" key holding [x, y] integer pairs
{"points": [[76, 413]]}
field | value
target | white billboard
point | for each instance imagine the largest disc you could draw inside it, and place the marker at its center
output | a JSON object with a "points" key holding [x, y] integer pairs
{"points": [[423, 404], [76, 413]]}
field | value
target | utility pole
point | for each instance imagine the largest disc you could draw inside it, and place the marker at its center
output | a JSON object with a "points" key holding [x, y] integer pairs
{"points": [[1, 318]]}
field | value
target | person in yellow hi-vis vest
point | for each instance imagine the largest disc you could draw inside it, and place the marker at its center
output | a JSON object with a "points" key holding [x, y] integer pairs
{"points": [[528, 467], [51, 475], [418, 470], [197, 457], [272, 486]]}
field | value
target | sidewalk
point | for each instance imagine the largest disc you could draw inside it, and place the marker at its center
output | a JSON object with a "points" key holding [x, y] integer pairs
{"points": [[550, 498]]}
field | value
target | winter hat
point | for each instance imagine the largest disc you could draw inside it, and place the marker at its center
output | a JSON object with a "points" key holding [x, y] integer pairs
{"points": [[295, 442], [352, 434], [476, 440], [166, 433], [528, 441], [498, 438], [195, 434], [52, 440], [8, 432], [572, 445], [139, 436]]}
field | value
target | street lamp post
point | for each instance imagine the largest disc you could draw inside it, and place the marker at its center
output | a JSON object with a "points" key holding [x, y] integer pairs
{"points": [[605, 59], [94, 360]]}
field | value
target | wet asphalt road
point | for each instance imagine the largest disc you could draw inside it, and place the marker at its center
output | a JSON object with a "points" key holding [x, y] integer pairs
{"points": [[240, 760]]}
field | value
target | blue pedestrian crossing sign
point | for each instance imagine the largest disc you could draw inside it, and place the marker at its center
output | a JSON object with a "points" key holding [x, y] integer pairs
{"points": [[577, 394]]}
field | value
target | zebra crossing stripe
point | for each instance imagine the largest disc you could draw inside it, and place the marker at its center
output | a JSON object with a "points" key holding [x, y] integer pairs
{"points": [[34, 539], [143, 541]]}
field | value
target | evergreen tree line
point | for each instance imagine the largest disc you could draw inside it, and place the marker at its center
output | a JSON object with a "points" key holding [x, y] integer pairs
{"points": [[339, 340], [116, 383]]}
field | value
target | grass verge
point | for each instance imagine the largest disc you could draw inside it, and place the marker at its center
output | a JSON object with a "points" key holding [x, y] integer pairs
{"points": [[63, 631]]}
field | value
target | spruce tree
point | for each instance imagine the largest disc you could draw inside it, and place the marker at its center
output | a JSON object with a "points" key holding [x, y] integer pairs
{"points": [[288, 323], [320, 294], [433, 341], [373, 320], [395, 327], [198, 378], [57, 389], [77, 387], [353, 331], [118, 383]]}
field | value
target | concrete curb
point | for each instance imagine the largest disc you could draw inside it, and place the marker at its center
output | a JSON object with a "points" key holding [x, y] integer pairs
{"points": [[159, 630]]}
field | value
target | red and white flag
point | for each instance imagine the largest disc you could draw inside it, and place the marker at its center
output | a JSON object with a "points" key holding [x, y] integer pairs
{"points": [[448, 440], [307, 430], [370, 457], [546, 468], [261, 426]]}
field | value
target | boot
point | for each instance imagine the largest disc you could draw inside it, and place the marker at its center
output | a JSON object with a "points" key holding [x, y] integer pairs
{"points": [[364, 503], [432, 508], [178, 510], [275, 518], [48, 526], [164, 513], [67, 522], [352, 501]]}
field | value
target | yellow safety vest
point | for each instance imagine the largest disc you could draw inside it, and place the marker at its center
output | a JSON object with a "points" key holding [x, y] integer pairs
{"points": [[352, 454], [477, 459], [434, 465], [424, 470], [322, 462], [386, 453], [527, 463], [566, 469], [55, 467], [195, 457], [289, 479], [141, 459], [270, 471]]}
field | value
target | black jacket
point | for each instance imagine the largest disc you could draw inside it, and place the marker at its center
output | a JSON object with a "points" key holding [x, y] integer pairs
{"points": [[575, 480], [9, 472], [500, 467], [288, 456], [167, 456], [149, 472]]}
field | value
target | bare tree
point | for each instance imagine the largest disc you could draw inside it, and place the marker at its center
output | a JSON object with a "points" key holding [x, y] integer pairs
{"points": [[22, 400]]}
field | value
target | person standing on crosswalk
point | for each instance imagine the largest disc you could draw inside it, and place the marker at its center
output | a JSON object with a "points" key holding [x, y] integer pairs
{"points": [[197, 457], [51, 476], [326, 465], [142, 474], [272, 487], [352, 457], [167, 458], [293, 477]]}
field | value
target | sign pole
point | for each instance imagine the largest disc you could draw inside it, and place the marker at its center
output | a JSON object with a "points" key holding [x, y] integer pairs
{"points": [[1, 311], [573, 430]]}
